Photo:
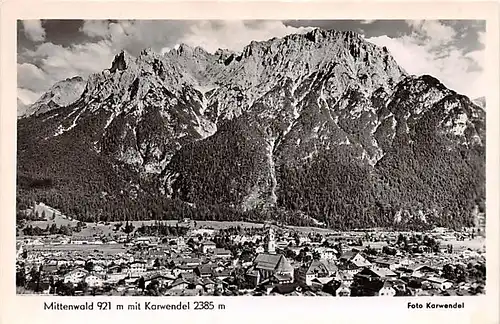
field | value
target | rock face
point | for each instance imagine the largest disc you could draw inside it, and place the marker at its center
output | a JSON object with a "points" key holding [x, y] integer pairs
{"points": [[322, 127], [61, 94], [21, 108], [481, 102]]}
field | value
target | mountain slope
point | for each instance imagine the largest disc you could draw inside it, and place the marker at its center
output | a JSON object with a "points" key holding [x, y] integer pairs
{"points": [[60, 94], [322, 125], [481, 102]]}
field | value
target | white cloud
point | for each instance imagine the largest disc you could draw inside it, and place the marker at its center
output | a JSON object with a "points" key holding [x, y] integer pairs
{"points": [[28, 97], [432, 49], [61, 62], [31, 76], [433, 32], [451, 66], [95, 28], [56, 62], [34, 30], [212, 37], [367, 21]]}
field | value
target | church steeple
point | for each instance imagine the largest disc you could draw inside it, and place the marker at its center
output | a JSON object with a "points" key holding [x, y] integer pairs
{"points": [[271, 241]]}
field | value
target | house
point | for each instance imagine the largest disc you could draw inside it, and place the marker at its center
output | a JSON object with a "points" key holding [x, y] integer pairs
{"points": [[179, 284], [260, 249], [439, 283], [327, 253], [63, 262], [279, 278], [321, 283], [183, 268], [205, 270], [119, 268], [120, 260], [315, 269], [439, 230], [79, 261], [208, 284], [94, 281], [99, 269], [382, 286], [349, 267], [115, 277], [189, 276], [387, 290], [146, 240], [377, 273], [286, 289], [45, 287], [79, 241], [421, 271], [194, 262], [137, 268], [343, 291], [75, 276], [50, 268], [222, 253], [283, 244], [386, 263], [162, 280], [266, 265], [207, 246], [223, 274], [469, 254], [355, 258], [241, 239], [344, 277]]}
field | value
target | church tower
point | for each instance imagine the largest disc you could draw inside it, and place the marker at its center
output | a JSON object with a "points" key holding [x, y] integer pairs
{"points": [[271, 242]]}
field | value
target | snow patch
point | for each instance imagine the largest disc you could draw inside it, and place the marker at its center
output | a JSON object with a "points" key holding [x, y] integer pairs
{"points": [[272, 169], [110, 119], [460, 124], [346, 141], [131, 156]]}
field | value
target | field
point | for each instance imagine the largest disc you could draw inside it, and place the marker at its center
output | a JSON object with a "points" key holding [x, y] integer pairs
{"points": [[476, 244], [92, 229], [52, 216], [105, 248]]}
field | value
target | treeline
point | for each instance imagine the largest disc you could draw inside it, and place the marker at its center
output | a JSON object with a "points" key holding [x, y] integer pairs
{"points": [[53, 229], [162, 229]]}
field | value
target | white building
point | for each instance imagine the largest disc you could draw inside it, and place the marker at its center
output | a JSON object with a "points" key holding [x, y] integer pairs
{"points": [[76, 276], [94, 281], [327, 253], [137, 269]]}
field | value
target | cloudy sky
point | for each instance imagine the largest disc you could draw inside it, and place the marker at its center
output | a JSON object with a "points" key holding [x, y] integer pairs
{"points": [[52, 50]]}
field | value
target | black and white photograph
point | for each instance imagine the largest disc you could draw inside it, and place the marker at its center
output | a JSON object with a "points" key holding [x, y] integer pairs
{"points": [[322, 158]]}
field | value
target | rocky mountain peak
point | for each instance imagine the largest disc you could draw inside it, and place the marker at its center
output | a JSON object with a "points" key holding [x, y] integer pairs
{"points": [[122, 61], [61, 94]]}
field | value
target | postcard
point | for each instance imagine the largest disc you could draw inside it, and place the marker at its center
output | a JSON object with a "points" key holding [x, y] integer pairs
{"points": [[222, 161]]}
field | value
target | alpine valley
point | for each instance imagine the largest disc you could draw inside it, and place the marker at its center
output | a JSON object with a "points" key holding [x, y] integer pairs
{"points": [[322, 128]]}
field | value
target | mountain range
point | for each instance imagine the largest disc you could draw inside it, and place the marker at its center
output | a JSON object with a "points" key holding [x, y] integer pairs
{"points": [[319, 128]]}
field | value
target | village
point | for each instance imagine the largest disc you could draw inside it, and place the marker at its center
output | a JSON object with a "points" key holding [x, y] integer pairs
{"points": [[189, 259]]}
